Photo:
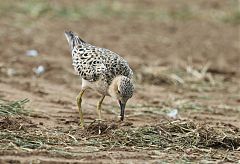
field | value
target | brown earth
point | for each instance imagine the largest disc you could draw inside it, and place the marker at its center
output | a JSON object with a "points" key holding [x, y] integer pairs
{"points": [[162, 41]]}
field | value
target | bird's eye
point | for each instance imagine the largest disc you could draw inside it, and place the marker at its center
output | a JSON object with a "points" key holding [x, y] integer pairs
{"points": [[119, 92]]}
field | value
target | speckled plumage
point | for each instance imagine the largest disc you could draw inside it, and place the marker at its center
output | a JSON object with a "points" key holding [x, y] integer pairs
{"points": [[98, 67], [93, 63]]}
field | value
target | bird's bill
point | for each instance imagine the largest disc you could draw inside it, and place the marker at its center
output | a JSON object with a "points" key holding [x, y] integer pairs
{"points": [[122, 107]]}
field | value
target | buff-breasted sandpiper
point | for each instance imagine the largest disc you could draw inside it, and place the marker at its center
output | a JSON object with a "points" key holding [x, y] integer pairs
{"points": [[102, 70]]}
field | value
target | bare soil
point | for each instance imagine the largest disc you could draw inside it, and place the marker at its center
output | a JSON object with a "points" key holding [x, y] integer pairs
{"points": [[168, 54]]}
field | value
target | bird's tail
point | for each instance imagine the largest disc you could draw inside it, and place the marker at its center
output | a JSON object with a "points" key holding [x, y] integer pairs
{"points": [[73, 39]]}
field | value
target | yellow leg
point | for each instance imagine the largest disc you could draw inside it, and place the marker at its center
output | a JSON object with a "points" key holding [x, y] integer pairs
{"points": [[99, 107], [79, 102]]}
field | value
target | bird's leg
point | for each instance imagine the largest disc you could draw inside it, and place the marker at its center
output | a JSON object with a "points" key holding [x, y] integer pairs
{"points": [[99, 107], [79, 102]]}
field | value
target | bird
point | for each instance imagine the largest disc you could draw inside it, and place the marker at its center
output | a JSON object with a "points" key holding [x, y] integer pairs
{"points": [[101, 70]]}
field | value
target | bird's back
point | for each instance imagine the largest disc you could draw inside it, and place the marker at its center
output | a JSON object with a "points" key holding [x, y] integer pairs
{"points": [[115, 64], [92, 62]]}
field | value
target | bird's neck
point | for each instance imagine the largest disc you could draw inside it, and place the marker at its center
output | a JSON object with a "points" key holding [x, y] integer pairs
{"points": [[113, 87]]}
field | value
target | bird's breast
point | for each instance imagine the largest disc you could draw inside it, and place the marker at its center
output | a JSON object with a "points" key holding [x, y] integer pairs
{"points": [[101, 86]]}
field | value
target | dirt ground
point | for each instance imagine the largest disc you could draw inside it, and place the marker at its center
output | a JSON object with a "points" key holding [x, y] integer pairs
{"points": [[185, 56]]}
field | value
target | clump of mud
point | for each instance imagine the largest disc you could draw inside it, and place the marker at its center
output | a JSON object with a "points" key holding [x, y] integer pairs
{"points": [[15, 123], [98, 127]]}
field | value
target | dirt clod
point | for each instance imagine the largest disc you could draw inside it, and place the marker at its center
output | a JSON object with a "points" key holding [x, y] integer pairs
{"points": [[15, 123]]}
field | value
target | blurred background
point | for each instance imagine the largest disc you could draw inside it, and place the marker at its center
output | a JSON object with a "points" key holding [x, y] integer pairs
{"points": [[180, 42], [163, 32]]}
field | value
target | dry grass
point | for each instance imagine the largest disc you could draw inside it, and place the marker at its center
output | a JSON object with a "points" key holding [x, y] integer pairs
{"points": [[190, 78], [169, 136], [18, 132], [172, 134], [13, 107]]}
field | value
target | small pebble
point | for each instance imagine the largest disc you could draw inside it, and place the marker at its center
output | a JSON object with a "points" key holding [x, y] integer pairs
{"points": [[39, 70], [32, 53], [173, 113]]}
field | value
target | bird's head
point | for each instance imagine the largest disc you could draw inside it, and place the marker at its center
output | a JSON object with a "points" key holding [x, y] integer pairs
{"points": [[121, 89]]}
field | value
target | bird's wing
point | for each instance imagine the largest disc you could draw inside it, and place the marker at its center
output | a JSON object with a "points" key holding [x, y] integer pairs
{"points": [[115, 64], [87, 62]]}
